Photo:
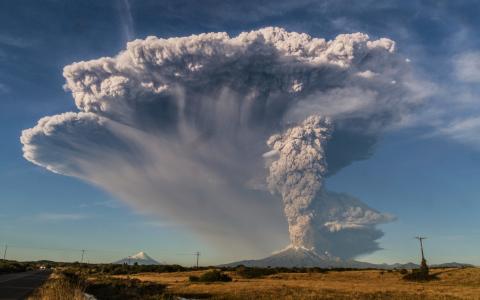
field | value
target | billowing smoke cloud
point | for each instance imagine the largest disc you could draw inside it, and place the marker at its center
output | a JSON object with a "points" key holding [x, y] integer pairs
{"points": [[178, 128], [298, 174], [316, 217]]}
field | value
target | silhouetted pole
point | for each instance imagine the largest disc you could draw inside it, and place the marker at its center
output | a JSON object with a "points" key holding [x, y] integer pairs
{"points": [[423, 265], [5, 252], [197, 254], [421, 238], [83, 253], [421, 248]]}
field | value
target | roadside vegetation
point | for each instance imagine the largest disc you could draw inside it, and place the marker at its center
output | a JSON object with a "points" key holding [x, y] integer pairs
{"points": [[9, 266], [60, 286], [70, 285]]}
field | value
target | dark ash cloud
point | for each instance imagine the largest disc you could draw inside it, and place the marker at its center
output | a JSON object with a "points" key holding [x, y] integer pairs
{"points": [[178, 128]]}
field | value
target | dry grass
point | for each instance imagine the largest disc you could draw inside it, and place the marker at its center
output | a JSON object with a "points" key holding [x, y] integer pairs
{"points": [[371, 284], [57, 287]]}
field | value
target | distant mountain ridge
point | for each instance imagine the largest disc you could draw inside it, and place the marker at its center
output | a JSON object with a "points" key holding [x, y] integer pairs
{"points": [[452, 265], [141, 258], [304, 258]]}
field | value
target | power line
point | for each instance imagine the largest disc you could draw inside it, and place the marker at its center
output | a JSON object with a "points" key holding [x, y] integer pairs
{"points": [[196, 254], [83, 253]]}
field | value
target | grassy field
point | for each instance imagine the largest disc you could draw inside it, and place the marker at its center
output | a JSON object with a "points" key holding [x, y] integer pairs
{"points": [[368, 284]]}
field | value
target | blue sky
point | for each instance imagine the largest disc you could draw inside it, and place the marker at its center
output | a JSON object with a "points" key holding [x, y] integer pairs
{"points": [[426, 174]]}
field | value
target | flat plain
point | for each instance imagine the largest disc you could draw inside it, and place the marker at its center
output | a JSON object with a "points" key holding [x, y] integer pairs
{"points": [[452, 283]]}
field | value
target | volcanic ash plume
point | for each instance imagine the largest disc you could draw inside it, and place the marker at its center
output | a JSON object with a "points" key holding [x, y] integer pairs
{"points": [[316, 217], [176, 128], [298, 172]]}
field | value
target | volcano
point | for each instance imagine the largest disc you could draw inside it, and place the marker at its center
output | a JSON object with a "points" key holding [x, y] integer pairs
{"points": [[141, 258], [305, 258]]}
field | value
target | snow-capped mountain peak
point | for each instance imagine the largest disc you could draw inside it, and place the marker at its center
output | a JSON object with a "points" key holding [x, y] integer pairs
{"points": [[141, 258], [141, 255]]}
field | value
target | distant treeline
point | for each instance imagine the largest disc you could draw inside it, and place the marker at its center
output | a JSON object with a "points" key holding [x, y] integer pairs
{"points": [[241, 270], [113, 269], [246, 272], [7, 266]]}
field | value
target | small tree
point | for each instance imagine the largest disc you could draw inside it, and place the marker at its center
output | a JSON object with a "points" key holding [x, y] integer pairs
{"points": [[211, 276]]}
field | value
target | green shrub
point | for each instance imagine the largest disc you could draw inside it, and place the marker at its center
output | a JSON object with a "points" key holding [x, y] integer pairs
{"points": [[192, 278], [247, 272], [211, 276], [7, 266], [119, 289], [420, 275]]}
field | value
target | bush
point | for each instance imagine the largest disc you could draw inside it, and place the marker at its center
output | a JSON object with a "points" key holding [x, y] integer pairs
{"points": [[420, 275], [247, 272], [192, 278], [119, 289], [211, 276], [114, 269], [12, 267]]}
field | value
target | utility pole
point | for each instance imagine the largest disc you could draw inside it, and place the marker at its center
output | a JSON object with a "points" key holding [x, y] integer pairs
{"points": [[5, 252], [421, 238], [423, 265], [83, 253], [197, 254]]}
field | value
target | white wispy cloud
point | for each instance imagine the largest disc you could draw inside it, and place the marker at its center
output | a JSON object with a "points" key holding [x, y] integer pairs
{"points": [[126, 19], [464, 130], [15, 41], [467, 66], [61, 217], [453, 112], [107, 203], [158, 224]]}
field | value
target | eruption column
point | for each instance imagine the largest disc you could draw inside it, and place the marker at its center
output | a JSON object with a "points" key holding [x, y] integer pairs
{"points": [[297, 174]]}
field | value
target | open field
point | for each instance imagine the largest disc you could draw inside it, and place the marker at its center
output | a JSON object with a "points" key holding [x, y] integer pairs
{"points": [[361, 284]]}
